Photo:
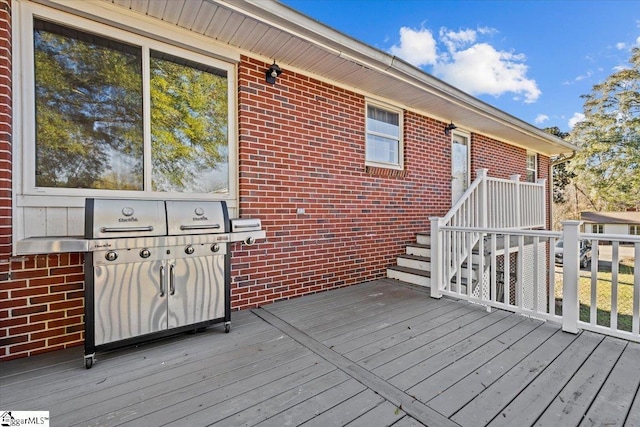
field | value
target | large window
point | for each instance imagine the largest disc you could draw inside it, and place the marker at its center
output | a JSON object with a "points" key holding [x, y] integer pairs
{"points": [[634, 229], [126, 114], [384, 137]]}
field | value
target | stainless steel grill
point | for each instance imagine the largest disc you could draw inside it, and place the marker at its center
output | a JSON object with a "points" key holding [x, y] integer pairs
{"points": [[156, 268]]}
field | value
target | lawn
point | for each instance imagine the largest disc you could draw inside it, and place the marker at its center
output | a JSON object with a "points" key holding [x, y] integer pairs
{"points": [[603, 295]]}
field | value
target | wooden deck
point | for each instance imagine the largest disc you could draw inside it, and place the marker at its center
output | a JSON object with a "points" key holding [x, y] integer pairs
{"points": [[369, 355]]}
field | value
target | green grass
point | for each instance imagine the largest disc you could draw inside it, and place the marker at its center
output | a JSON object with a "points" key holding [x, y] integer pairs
{"points": [[603, 295]]}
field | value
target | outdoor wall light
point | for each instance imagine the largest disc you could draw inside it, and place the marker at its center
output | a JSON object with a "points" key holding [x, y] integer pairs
{"points": [[273, 72], [448, 128]]}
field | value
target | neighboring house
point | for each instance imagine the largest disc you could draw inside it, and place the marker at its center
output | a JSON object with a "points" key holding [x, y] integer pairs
{"points": [[344, 157], [611, 222]]}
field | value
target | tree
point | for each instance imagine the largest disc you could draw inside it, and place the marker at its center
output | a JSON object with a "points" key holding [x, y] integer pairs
{"points": [[562, 176], [90, 116], [608, 166]]}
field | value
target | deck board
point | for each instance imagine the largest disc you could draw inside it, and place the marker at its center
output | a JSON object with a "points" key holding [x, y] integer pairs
{"points": [[373, 354], [488, 404], [614, 399], [455, 397], [576, 397]]}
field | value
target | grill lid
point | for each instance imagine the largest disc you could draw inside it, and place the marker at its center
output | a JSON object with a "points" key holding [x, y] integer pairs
{"points": [[115, 218], [197, 217]]}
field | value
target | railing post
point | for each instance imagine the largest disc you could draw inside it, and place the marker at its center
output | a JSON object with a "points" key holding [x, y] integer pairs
{"points": [[543, 196], [484, 197], [516, 202], [570, 275], [436, 257]]}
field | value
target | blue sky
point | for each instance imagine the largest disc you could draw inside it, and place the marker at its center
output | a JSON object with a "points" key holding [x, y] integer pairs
{"points": [[532, 59]]}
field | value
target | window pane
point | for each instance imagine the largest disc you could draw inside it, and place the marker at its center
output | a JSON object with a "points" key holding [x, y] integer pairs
{"points": [[189, 126], [382, 149], [381, 121], [88, 95]]}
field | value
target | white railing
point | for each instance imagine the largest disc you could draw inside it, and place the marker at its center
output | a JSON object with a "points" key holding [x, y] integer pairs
{"points": [[515, 204], [516, 270], [488, 202]]}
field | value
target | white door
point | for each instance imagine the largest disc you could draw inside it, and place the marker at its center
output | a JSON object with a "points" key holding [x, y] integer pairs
{"points": [[459, 166]]}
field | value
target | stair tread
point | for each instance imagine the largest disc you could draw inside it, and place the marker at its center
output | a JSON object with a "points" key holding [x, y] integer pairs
{"points": [[419, 245], [410, 270], [415, 257]]}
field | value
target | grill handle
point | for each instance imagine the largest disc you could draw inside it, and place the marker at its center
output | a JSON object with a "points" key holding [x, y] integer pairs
{"points": [[172, 279], [125, 229], [254, 225], [161, 281], [200, 227]]}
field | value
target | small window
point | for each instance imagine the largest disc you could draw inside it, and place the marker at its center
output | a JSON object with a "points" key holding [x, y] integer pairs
{"points": [[384, 137], [634, 229], [532, 167], [597, 228]]}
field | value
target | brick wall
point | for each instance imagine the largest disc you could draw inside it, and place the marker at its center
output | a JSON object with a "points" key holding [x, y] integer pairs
{"points": [[42, 306], [502, 160], [41, 297], [302, 146]]}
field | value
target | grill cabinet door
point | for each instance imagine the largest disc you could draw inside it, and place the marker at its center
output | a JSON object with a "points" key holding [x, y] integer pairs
{"points": [[196, 290], [128, 300]]}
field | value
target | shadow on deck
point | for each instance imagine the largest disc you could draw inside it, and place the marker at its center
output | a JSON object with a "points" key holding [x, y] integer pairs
{"points": [[374, 354]]}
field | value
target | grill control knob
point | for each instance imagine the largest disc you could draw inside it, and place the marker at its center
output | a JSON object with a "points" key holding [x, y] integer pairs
{"points": [[189, 250], [145, 253], [111, 256], [215, 247]]}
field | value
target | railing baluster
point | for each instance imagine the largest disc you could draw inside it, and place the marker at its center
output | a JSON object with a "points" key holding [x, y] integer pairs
{"points": [[551, 260], [519, 268], [614, 286], [636, 290], [536, 272], [507, 269], [593, 308], [494, 267]]}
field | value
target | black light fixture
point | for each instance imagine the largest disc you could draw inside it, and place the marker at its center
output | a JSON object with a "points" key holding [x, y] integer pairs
{"points": [[273, 72], [448, 128]]}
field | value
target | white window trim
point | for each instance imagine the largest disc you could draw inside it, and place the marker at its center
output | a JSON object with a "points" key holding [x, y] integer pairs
{"points": [[106, 20], [633, 227], [400, 112]]}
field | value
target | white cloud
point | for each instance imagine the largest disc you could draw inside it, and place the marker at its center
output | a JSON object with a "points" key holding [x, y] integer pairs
{"points": [[638, 42], [619, 68], [487, 31], [417, 47], [577, 117], [584, 76], [473, 66], [481, 69], [457, 39], [621, 45], [541, 118]]}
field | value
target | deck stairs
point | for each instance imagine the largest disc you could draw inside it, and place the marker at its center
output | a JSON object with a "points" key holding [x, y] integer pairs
{"points": [[414, 266]]}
